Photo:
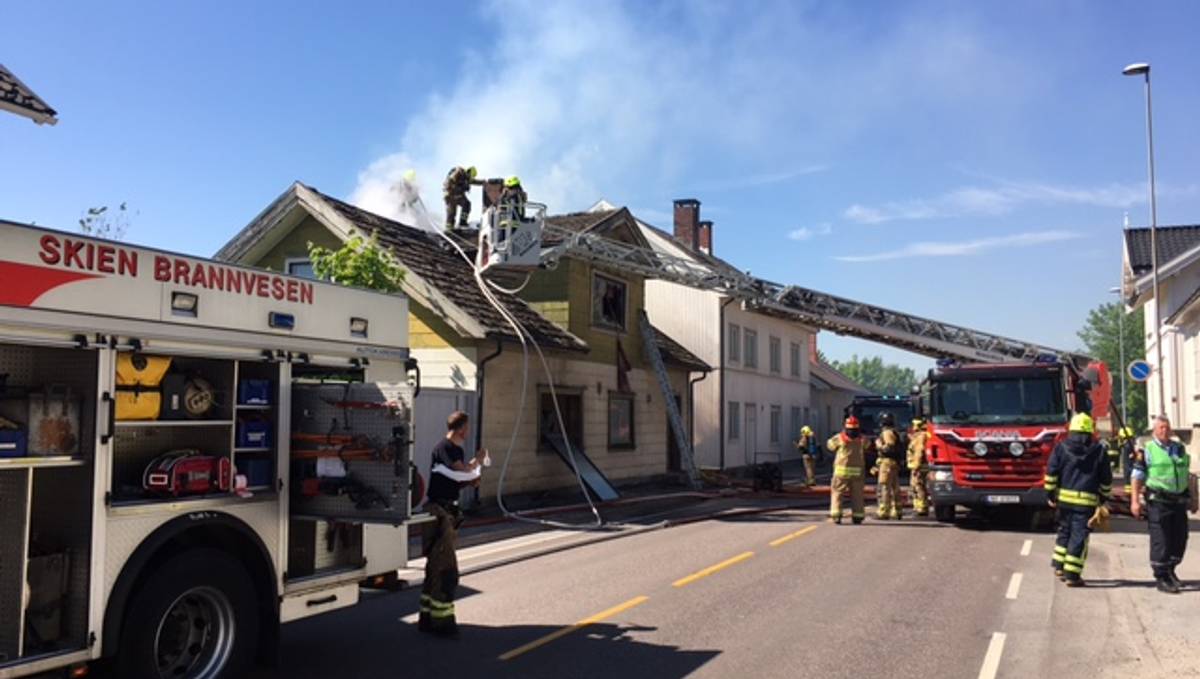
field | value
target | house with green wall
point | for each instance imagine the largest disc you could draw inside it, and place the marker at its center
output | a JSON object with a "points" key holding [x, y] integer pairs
{"points": [[584, 318]]}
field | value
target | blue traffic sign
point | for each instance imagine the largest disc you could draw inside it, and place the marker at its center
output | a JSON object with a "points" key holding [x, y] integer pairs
{"points": [[1139, 370]]}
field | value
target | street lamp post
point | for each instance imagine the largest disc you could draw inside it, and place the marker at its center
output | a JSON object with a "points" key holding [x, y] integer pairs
{"points": [[1143, 69], [1121, 353]]}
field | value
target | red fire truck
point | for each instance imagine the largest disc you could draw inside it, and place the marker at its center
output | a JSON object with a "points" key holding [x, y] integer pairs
{"points": [[993, 427]]}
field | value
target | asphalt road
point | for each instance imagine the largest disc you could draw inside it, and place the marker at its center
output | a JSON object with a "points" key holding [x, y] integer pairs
{"points": [[713, 599]]}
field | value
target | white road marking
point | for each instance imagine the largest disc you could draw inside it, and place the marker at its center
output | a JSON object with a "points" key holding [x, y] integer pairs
{"points": [[1014, 586], [991, 661], [1027, 548]]}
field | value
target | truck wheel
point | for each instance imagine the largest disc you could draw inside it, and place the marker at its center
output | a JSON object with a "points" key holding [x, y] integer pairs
{"points": [[944, 513], [195, 617]]}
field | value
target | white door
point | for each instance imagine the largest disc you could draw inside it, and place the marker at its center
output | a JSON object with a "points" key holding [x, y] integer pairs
{"points": [[751, 432], [432, 408]]}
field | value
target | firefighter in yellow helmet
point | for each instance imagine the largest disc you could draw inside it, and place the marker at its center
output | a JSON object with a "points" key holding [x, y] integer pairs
{"points": [[1127, 441], [513, 197], [848, 460], [1078, 480], [454, 192], [807, 445], [891, 453], [918, 468]]}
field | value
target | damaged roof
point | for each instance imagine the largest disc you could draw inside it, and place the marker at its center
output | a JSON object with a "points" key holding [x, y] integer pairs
{"points": [[19, 99], [428, 256], [1173, 242], [674, 352]]}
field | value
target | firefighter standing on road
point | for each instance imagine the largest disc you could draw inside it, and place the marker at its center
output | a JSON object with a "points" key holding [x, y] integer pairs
{"points": [[807, 445], [891, 456], [1162, 471], [1078, 481], [440, 536], [848, 461], [454, 191], [918, 468], [1128, 443]]}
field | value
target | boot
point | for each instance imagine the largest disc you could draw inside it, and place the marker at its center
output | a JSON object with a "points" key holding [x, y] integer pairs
{"points": [[1175, 579], [1167, 586], [835, 519], [1073, 581]]}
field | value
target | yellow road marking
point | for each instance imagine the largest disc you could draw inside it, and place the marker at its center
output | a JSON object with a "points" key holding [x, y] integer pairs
{"points": [[558, 634], [712, 569], [793, 536]]}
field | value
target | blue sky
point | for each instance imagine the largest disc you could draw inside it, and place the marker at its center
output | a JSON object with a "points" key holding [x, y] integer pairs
{"points": [[971, 162]]}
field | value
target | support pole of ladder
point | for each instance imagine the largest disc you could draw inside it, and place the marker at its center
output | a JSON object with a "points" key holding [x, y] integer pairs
{"points": [[650, 344]]}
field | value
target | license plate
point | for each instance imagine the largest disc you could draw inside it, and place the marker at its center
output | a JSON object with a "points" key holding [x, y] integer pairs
{"points": [[1003, 499]]}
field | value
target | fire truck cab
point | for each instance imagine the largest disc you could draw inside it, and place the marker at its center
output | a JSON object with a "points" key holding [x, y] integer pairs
{"points": [[993, 426], [191, 453]]}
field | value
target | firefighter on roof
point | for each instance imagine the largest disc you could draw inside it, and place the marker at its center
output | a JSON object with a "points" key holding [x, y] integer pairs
{"points": [[1078, 481], [918, 468], [807, 445], [888, 468], [514, 197], [454, 191], [847, 448]]}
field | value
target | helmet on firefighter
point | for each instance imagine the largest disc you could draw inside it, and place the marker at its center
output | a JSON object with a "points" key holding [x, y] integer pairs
{"points": [[806, 430], [851, 423], [471, 172], [1081, 423], [512, 181], [887, 420], [918, 423], [1125, 433]]}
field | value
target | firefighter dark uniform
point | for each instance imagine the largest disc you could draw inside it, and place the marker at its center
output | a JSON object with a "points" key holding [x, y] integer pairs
{"points": [[439, 542], [847, 448], [807, 445], [1078, 480], [1126, 440], [454, 192], [891, 456], [918, 468], [513, 197], [1163, 469]]}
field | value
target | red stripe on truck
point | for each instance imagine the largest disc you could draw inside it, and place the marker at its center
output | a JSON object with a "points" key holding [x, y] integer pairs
{"points": [[23, 284]]}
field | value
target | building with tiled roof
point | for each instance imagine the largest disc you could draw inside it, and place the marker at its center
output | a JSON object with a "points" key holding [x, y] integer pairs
{"points": [[583, 317]]}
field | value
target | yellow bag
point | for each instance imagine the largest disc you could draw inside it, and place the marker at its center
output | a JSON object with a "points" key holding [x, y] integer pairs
{"points": [[138, 380]]}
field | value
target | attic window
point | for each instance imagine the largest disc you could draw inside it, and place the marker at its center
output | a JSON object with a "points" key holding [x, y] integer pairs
{"points": [[610, 299]]}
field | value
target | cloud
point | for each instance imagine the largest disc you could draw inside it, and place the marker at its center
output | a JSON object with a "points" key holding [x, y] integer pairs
{"points": [[965, 248], [975, 201], [807, 233], [612, 98]]}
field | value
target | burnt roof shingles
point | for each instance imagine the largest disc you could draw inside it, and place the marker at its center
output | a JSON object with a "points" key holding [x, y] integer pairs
{"points": [[1173, 241], [674, 352], [431, 259], [19, 99]]}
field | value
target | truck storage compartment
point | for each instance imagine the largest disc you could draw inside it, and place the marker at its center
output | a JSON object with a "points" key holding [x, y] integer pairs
{"points": [[350, 451]]}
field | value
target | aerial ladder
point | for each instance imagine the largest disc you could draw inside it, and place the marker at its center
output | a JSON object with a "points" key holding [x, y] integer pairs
{"points": [[520, 240]]}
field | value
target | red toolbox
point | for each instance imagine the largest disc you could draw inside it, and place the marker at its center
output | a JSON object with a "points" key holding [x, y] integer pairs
{"points": [[187, 472]]}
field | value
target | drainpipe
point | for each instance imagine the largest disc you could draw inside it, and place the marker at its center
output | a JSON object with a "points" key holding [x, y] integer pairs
{"points": [[692, 409], [721, 384], [479, 380]]}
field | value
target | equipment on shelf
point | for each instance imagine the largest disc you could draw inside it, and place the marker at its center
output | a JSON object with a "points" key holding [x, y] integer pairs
{"points": [[139, 382], [13, 439], [254, 392], [46, 579], [253, 432], [187, 472], [54, 422]]}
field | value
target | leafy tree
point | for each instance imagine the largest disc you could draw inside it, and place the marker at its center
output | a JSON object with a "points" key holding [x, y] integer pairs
{"points": [[101, 223], [360, 263], [878, 377], [1103, 339]]}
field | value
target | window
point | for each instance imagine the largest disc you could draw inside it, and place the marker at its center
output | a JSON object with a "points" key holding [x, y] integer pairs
{"points": [[620, 420], [776, 423], [735, 343], [796, 424], [300, 267], [751, 349], [609, 298], [795, 352], [735, 420], [570, 404], [774, 349]]}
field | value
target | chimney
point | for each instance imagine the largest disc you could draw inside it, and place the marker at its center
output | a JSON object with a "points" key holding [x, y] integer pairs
{"points": [[812, 348], [704, 238], [687, 222]]}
